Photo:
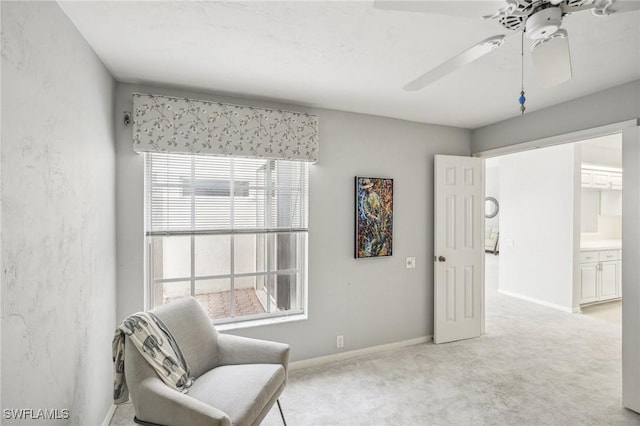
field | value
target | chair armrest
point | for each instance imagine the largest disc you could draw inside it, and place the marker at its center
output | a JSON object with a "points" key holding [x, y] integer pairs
{"points": [[157, 403], [244, 350]]}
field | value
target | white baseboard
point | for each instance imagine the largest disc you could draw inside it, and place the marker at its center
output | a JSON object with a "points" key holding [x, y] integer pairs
{"points": [[341, 356], [537, 301], [599, 302], [109, 416]]}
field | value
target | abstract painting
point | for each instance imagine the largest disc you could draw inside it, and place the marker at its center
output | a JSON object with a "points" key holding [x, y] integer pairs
{"points": [[374, 217]]}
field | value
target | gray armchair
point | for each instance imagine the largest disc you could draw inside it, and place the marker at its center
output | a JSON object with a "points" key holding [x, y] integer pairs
{"points": [[237, 379]]}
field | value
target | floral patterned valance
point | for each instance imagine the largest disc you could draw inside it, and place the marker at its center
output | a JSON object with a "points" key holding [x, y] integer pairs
{"points": [[162, 123]]}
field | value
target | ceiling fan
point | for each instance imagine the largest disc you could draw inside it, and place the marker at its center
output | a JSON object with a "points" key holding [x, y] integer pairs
{"points": [[539, 20]]}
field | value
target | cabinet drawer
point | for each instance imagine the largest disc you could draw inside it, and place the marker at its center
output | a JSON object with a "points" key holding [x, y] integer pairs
{"points": [[605, 255], [588, 256], [616, 180], [586, 178], [601, 180]]}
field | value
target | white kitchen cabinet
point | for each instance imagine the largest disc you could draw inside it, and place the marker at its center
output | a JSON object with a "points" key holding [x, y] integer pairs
{"points": [[600, 275], [609, 279], [588, 282], [586, 178], [600, 178], [589, 256], [616, 180]]}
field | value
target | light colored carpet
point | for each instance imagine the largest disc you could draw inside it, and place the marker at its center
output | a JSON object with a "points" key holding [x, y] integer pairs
{"points": [[534, 366], [610, 311]]}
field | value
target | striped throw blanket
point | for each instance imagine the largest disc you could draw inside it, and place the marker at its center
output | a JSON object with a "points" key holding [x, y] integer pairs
{"points": [[156, 345]]}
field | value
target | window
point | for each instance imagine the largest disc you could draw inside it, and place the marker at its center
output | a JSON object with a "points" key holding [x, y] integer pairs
{"points": [[232, 232]]}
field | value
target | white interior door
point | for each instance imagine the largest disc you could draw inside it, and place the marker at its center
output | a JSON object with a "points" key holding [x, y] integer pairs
{"points": [[458, 248]]}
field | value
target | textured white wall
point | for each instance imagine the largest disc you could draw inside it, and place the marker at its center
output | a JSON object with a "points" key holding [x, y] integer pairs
{"points": [[58, 217], [537, 194], [368, 301]]}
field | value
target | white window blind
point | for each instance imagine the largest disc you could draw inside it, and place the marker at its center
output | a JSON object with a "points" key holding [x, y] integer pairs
{"points": [[231, 232], [198, 194]]}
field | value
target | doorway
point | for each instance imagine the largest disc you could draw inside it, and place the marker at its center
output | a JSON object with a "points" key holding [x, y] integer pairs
{"points": [[630, 130], [553, 226]]}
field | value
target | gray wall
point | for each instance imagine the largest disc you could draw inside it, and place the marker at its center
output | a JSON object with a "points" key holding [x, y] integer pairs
{"points": [[369, 301], [615, 105], [58, 217]]}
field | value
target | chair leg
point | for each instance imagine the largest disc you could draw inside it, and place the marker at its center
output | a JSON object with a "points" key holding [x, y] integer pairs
{"points": [[143, 423], [284, 422]]}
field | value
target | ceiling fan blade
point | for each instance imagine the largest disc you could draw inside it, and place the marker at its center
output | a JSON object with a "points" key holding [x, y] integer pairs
{"points": [[551, 59], [464, 58], [468, 9]]}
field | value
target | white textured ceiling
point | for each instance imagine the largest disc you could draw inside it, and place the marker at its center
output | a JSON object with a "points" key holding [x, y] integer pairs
{"points": [[346, 55]]}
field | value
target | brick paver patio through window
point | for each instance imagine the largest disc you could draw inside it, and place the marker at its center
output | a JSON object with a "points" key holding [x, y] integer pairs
{"points": [[217, 304]]}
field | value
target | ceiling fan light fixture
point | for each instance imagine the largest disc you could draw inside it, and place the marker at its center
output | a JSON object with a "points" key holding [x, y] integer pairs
{"points": [[556, 35], [551, 59], [544, 23]]}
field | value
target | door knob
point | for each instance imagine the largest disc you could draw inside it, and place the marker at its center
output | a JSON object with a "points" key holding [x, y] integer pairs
{"points": [[441, 259]]}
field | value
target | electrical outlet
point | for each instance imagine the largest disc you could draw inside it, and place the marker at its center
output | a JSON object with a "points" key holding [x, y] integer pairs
{"points": [[340, 342], [411, 262]]}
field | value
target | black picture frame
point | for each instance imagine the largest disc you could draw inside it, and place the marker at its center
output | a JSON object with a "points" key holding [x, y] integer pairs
{"points": [[373, 217]]}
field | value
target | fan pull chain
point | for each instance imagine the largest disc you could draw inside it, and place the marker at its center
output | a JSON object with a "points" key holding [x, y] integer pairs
{"points": [[522, 99]]}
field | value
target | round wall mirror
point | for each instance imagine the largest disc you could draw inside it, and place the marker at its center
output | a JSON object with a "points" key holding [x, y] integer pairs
{"points": [[490, 207]]}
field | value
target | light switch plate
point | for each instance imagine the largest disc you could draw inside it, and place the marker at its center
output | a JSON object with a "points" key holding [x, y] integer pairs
{"points": [[411, 262]]}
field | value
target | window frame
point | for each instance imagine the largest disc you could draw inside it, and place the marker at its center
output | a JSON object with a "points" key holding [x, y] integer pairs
{"points": [[301, 256]]}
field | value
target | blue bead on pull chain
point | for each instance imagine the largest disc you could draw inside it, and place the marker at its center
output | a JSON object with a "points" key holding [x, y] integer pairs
{"points": [[522, 99]]}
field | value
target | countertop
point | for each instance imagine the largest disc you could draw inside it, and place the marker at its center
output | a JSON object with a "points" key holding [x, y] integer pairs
{"points": [[601, 245]]}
